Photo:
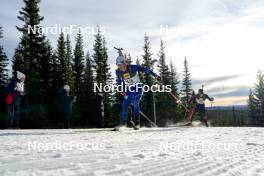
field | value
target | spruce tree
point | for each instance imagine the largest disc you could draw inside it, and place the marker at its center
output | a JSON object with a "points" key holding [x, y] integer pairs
{"points": [[88, 92], [17, 60], [138, 62], [256, 101], [103, 75], [3, 74], [56, 77], [33, 57], [186, 90], [107, 73], [174, 82], [78, 65], [259, 93], [61, 56], [164, 100], [89, 75], [147, 79], [64, 55], [107, 97], [55, 91], [252, 108], [45, 71], [68, 64], [162, 66], [3, 65], [55, 72], [30, 51]]}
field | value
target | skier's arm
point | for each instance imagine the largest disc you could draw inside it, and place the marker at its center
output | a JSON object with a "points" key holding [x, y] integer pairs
{"points": [[146, 70], [118, 78], [191, 99], [119, 82], [209, 98]]}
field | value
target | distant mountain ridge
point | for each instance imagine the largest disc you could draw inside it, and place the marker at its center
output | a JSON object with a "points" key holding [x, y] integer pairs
{"points": [[237, 107]]}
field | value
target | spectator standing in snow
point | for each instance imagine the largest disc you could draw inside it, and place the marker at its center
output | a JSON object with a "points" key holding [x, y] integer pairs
{"points": [[67, 101], [14, 92]]}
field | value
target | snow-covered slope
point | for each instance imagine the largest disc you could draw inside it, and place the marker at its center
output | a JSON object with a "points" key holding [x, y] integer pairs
{"points": [[161, 151]]}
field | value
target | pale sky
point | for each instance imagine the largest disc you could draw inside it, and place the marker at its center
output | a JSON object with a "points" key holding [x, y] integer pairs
{"points": [[222, 39]]}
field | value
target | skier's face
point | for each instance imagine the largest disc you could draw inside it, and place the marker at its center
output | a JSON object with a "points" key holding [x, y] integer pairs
{"points": [[122, 67]]}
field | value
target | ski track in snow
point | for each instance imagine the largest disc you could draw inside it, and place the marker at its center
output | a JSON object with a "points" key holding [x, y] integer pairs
{"points": [[180, 151]]}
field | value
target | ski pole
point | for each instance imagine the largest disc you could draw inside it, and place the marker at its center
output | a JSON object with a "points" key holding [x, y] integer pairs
{"points": [[152, 123], [177, 100]]}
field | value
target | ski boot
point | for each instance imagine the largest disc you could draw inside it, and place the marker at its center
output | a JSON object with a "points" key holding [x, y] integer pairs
{"points": [[135, 125], [206, 121]]}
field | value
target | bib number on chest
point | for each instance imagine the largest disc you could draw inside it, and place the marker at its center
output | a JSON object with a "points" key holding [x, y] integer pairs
{"points": [[131, 81]]}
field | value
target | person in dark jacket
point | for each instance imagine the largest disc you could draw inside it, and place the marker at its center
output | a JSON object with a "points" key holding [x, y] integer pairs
{"points": [[67, 101], [200, 105], [14, 92]]}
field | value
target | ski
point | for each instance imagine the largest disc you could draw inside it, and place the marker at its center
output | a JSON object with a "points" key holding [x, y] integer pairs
{"points": [[94, 130], [122, 129], [134, 126]]}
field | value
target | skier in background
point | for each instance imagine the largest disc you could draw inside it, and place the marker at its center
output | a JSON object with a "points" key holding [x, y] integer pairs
{"points": [[14, 92], [67, 101], [200, 105], [128, 75]]}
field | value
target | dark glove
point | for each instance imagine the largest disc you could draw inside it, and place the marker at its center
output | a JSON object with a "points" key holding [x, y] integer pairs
{"points": [[122, 94], [158, 78]]}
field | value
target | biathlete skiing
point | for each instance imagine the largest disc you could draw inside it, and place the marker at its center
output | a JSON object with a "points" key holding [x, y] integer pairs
{"points": [[128, 79], [197, 103]]}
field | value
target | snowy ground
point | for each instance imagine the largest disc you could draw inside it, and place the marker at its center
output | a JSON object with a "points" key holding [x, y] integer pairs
{"points": [[161, 151]]}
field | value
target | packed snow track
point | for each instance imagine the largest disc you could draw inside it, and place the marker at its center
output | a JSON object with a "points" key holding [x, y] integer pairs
{"points": [[177, 151]]}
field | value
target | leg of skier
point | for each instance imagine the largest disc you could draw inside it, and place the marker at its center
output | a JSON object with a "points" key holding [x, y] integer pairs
{"points": [[124, 113], [136, 113], [16, 115], [205, 119], [10, 116], [130, 114], [204, 116], [191, 114], [66, 123], [202, 113]]}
